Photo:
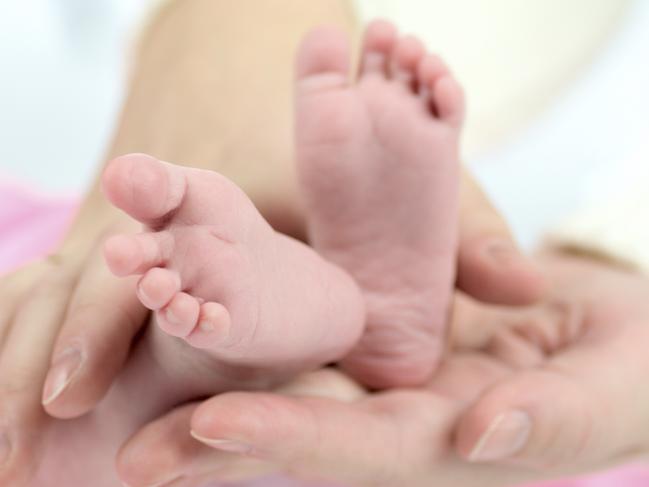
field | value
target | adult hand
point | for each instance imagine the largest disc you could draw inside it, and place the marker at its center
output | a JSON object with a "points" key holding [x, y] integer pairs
{"points": [[324, 427], [66, 324], [68, 315], [588, 405], [491, 268], [572, 370]]}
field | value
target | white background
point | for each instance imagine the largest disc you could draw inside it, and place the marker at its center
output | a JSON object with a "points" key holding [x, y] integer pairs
{"points": [[62, 66]]}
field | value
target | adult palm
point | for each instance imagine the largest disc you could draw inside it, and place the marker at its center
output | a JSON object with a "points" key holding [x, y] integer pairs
{"points": [[524, 394]]}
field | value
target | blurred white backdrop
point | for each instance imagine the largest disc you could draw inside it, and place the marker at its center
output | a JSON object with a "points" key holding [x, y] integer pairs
{"points": [[62, 67], [63, 64], [574, 151]]}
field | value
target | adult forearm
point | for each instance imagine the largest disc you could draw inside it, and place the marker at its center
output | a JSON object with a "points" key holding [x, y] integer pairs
{"points": [[211, 88]]}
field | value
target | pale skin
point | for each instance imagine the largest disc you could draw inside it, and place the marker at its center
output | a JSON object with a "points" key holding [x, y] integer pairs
{"points": [[49, 304], [218, 276], [575, 364], [222, 280], [377, 203]]}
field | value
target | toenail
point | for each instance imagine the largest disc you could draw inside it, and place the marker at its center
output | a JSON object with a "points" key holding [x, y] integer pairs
{"points": [[5, 449], [172, 318], [144, 297], [227, 445], [61, 374], [503, 438], [206, 326]]}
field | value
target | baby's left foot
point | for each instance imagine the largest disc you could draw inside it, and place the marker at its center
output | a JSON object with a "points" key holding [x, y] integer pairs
{"points": [[220, 278]]}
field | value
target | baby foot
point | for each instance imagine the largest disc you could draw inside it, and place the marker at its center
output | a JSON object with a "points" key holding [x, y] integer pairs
{"points": [[219, 277], [378, 164]]}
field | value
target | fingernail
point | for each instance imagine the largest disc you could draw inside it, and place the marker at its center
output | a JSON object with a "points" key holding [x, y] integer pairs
{"points": [[505, 436], [5, 449], [61, 374], [230, 446]]}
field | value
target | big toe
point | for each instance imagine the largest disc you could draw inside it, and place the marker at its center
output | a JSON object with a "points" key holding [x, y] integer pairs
{"points": [[396, 358], [145, 188]]}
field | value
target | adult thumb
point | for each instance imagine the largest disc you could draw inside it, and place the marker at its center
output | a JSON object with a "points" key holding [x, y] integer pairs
{"points": [[539, 418]]}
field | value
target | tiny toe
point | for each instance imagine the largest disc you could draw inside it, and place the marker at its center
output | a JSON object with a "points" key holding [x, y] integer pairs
{"points": [[157, 287], [135, 254], [430, 68], [323, 57], [448, 98], [143, 187], [378, 42], [180, 316], [213, 326], [406, 56]]}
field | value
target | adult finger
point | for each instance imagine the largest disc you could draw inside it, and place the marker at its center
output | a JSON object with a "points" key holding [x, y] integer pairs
{"points": [[164, 450], [101, 320], [491, 267], [372, 442], [13, 291], [583, 409], [164, 453], [161, 452], [25, 355]]}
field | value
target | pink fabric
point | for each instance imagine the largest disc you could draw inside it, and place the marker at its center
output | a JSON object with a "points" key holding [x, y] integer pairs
{"points": [[629, 476], [32, 224]]}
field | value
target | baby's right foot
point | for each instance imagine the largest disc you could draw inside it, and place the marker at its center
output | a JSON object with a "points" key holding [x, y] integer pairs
{"points": [[219, 277], [378, 162]]}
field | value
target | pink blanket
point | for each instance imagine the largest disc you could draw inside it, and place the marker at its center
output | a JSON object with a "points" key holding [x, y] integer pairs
{"points": [[32, 224]]}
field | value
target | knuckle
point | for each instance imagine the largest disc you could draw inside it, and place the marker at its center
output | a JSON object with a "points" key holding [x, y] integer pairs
{"points": [[18, 386], [55, 260], [13, 287]]}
